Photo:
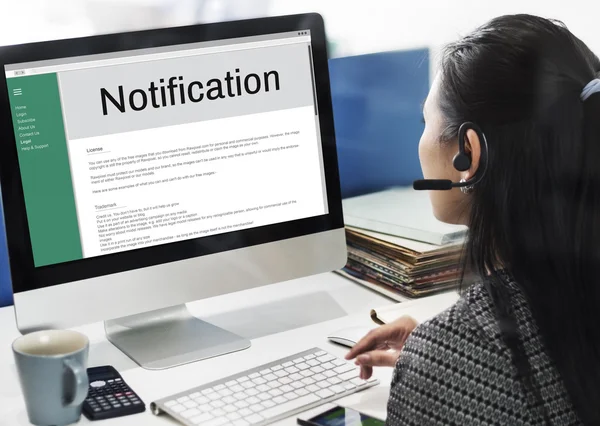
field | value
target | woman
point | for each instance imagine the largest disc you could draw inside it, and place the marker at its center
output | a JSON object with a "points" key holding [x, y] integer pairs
{"points": [[522, 346]]}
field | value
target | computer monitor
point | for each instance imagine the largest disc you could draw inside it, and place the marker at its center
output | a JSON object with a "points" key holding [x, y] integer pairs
{"points": [[144, 170]]}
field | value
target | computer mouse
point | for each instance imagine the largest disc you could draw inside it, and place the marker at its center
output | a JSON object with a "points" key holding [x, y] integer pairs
{"points": [[348, 336]]}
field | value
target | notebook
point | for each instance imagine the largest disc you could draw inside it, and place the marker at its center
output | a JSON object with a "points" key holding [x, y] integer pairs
{"points": [[415, 308], [401, 212]]}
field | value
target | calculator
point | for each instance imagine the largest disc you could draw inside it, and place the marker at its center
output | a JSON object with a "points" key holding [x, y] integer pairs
{"points": [[109, 396]]}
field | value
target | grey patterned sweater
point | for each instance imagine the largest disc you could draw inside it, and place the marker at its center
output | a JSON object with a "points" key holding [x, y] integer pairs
{"points": [[456, 370]]}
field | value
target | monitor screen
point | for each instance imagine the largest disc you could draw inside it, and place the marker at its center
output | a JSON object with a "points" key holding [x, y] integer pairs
{"points": [[126, 150]]}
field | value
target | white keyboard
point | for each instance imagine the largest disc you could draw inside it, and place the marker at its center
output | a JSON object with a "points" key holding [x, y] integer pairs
{"points": [[267, 393]]}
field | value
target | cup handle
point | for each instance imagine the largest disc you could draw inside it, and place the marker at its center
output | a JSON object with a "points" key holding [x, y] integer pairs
{"points": [[81, 382]]}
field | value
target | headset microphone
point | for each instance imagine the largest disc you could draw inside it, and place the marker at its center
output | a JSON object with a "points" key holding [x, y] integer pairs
{"points": [[461, 162]]}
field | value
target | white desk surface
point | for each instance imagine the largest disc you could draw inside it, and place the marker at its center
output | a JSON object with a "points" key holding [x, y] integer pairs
{"points": [[280, 319]]}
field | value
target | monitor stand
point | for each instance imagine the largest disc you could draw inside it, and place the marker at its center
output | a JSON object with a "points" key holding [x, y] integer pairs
{"points": [[170, 337]]}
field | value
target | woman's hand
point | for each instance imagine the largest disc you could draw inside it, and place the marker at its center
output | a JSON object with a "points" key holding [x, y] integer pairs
{"points": [[381, 346]]}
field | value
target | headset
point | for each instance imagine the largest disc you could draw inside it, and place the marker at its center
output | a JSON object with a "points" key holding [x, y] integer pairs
{"points": [[461, 162]]}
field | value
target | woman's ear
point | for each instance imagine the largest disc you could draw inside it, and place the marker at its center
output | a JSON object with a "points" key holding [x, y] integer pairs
{"points": [[473, 149]]}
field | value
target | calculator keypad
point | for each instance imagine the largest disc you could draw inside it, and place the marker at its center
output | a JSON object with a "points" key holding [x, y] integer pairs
{"points": [[110, 394]]}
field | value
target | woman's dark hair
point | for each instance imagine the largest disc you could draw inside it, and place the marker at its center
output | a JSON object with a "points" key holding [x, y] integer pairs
{"points": [[537, 209]]}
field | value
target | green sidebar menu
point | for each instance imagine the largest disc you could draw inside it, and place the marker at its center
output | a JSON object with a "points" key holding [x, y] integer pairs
{"points": [[45, 172]]}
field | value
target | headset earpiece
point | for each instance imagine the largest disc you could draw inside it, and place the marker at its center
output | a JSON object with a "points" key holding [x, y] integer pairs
{"points": [[462, 160]]}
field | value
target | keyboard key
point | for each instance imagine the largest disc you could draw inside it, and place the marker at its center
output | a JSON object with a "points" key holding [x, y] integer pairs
{"points": [[320, 353], [287, 364], [268, 403], [270, 377], [171, 403], [254, 418], [241, 404], [344, 368], [275, 392], [244, 412], [205, 407], [308, 381], [263, 396], [218, 412], [240, 395], [358, 382], [324, 393], [214, 396], [201, 418], [252, 400], [302, 366], [348, 386], [276, 368], [334, 380], [183, 399], [229, 400], [306, 373], [319, 377], [230, 383], [298, 360], [190, 404], [265, 371], [219, 387], [279, 399], [252, 392], [257, 408], [329, 373], [178, 408], [217, 404], [291, 395], [240, 423], [275, 384], [286, 388], [313, 388], [296, 376], [254, 375], [324, 384], [243, 379], [312, 362], [233, 416], [236, 388], [225, 392], [230, 409], [328, 366], [194, 395], [310, 356], [285, 380], [297, 385], [292, 370], [281, 373], [248, 385], [301, 392], [326, 358], [216, 422], [188, 414], [337, 389], [207, 391], [353, 374], [317, 369], [288, 406], [263, 388], [259, 381]]}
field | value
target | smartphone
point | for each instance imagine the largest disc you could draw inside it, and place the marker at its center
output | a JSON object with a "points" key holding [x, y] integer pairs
{"points": [[341, 416]]}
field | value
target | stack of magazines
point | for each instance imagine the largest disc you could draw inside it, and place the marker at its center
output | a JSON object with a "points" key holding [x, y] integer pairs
{"points": [[396, 245], [406, 267]]}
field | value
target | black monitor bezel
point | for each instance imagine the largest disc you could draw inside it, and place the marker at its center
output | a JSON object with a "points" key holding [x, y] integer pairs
{"points": [[25, 276]]}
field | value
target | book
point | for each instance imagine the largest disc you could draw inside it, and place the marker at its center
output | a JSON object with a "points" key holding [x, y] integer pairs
{"points": [[421, 310], [401, 212]]}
